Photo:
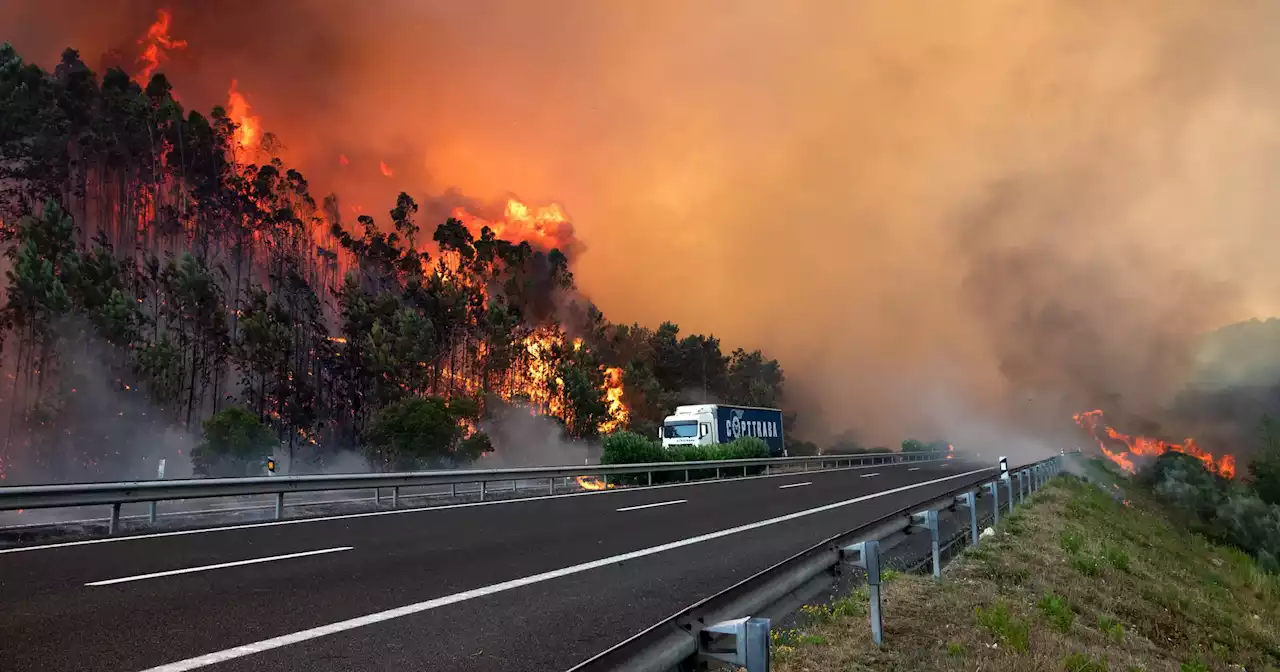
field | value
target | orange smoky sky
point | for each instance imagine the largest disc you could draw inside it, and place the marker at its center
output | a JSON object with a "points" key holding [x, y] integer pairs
{"points": [[942, 218]]}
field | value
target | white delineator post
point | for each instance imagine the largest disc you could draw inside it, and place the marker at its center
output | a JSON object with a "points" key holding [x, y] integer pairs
{"points": [[1004, 476]]}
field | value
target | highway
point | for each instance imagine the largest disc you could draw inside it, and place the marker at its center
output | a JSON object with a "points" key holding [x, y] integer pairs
{"points": [[533, 584]]}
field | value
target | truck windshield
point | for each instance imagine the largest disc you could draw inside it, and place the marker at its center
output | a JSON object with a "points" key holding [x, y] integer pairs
{"points": [[680, 430]]}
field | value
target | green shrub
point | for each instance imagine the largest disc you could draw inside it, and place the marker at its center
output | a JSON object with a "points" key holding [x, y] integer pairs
{"points": [[235, 443], [1013, 631], [1111, 628], [1058, 612], [1117, 556], [1226, 512], [1072, 541], [629, 448], [1078, 662], [955, 650], [1086, 564]]}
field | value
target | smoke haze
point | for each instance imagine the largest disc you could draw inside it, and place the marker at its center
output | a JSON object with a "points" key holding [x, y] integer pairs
{"points": [[940, 217]]}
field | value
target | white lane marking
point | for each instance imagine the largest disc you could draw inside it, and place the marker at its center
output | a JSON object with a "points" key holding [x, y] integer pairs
{"points": [[914, 469], [390, 512], [220, 565], [650, 506], [794, 485], [869, 475], [410, 609]]}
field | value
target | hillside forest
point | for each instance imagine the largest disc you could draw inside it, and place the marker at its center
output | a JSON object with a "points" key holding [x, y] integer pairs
{"points": [[167, 272]]}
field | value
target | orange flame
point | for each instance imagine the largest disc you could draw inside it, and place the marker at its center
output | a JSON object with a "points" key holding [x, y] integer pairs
{"points": [[386, 170], [154, 45], [618, 413], [249, 126], [1146, 446], [590, 483], [544, 227]]}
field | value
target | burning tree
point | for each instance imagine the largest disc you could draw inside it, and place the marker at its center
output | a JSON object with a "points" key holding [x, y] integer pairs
{"points": [[170, 255]]}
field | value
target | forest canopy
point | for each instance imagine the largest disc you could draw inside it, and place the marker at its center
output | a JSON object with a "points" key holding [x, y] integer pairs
{"points": [[161, 272]]}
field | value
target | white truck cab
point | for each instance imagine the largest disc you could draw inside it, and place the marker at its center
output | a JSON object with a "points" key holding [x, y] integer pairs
{"points": [[689, 426]]}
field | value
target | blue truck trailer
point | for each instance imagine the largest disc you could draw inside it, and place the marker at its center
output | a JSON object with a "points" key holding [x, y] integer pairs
{"points": [[709, 424]]}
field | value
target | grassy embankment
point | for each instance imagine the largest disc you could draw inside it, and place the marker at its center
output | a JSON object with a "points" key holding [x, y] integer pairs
{"points": [[1076, 581]]}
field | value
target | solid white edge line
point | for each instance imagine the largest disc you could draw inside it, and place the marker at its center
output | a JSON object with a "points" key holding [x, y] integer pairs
{"points": [[869, 475], [794, 485], [408, 610], [650, 506], [392, 512], [220, 565]]}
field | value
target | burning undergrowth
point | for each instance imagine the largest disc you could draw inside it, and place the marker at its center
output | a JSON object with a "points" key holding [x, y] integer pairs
{"points": [[1126, 450]]}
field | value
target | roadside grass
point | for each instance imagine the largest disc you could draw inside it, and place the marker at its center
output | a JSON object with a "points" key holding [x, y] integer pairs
{"points": [[1074, 581]]}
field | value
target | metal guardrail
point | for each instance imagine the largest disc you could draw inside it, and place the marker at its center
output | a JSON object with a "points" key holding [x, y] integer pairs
{"points": [[722, 627], [116, 494]]}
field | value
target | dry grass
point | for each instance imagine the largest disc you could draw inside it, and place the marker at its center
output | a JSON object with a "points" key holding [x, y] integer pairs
{"points": [[1077, 581]]}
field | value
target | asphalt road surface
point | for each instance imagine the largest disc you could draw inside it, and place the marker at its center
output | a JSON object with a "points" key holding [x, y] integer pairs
{"points": [[534, 584]]}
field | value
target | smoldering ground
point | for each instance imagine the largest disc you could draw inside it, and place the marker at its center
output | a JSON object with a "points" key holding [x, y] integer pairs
{"points": [[940, 218]]}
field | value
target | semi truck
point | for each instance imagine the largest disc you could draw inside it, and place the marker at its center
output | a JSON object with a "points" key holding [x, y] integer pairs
{"points": [[709, 424]]}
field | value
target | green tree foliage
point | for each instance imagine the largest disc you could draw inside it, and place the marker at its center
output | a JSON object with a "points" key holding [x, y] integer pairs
{"points": [[1265, 467], [422, 432], [235, 443]]}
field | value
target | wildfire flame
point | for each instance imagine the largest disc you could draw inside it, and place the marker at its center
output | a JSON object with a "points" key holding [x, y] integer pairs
{"points": [[154, 46], [545, 226], [1145, 446], [591, 483], [618, 413], [249, 126]]}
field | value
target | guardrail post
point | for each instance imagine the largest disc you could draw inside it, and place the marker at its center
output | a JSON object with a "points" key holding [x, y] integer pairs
{"points": [[928, 520], [279, 505], [750, 638], [995, 499], [484, 486], [970, 501], [114, 525], [868, 558], [1025, 479], [717, 473], [152, 516], [377, 498], [551, 486], [395, 497], [650, 474]]}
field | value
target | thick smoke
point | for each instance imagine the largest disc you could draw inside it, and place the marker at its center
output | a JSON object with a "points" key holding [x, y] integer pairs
{"points": [[940, 217]]}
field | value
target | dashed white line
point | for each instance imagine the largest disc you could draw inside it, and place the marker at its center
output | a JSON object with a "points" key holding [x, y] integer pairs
{"points": [[419, 607], [869, 475], [914, 469], [650, 506], [794, 485], [221, 565]]}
